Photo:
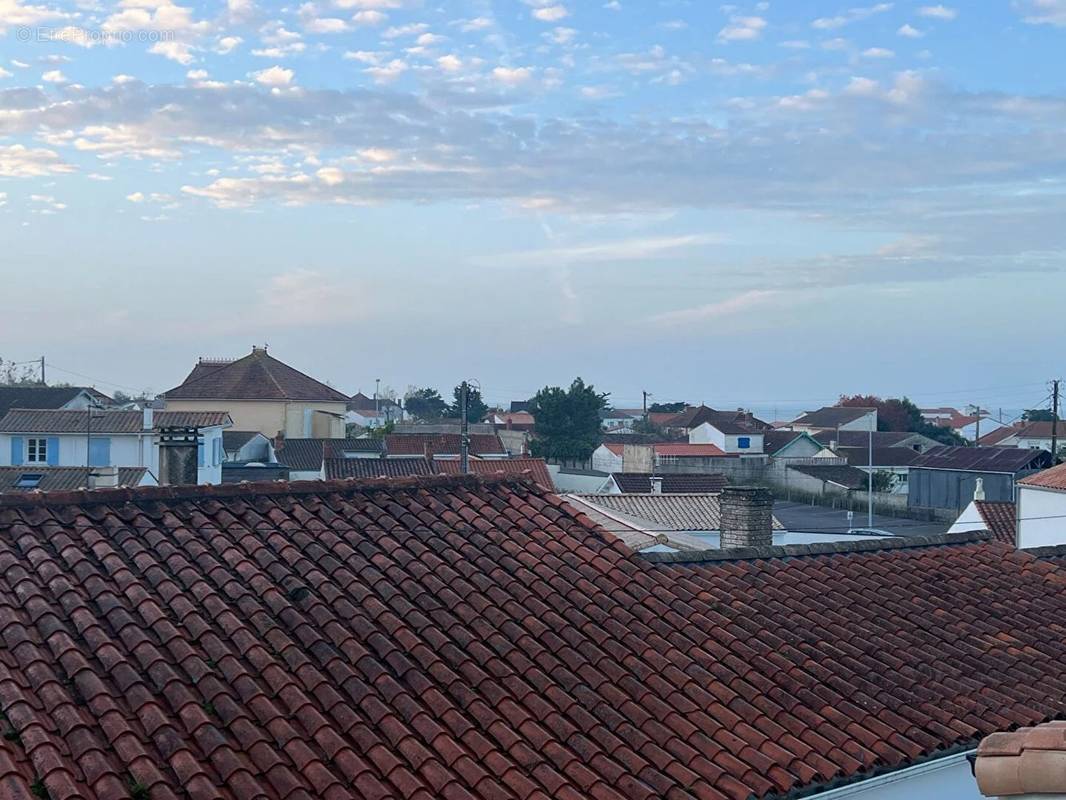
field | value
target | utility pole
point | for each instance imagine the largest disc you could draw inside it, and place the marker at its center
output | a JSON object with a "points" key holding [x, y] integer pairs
{"points": [[43, 382], [464, 430], [377, 402], [645, 408], [976, 411], [1054, 422], [869, 481]]}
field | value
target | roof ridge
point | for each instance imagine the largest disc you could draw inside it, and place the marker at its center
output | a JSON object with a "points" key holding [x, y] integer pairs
{"points": [[257, 488], [822, 548]]}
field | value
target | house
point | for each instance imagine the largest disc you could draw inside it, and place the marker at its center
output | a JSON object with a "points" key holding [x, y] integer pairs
{"points": [[675, 456], [997, 517], [263, 394], [616, 420], [834, 439], [253, 471], [107, 438], [408, 445], [694, 416], [247, 446], [512, 420], [1033, 435], [823, 479], [936, 416], [346, 468], [471, 638], [698, 512], [57, 398], [891, 461], [837, 418], [607, 457], [65, 479], [727, 436], [369, 412], [1041, 513], [785, 444], [971, 427], [304, 457], [946, 477], [534, 468], [668, 483]]}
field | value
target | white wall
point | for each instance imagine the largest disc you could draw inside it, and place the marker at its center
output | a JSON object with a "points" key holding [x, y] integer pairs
{"points": [[728, 443], [864, 423], [969, 520], [943, 779], [1035, 506], [603, 460]]}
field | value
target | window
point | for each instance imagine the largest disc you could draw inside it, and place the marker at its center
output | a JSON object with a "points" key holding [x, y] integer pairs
{"points": [[37, 451], [29, 480], [743, 442]]}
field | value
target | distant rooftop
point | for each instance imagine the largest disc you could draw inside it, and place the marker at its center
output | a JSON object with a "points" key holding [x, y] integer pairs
{"points": [[257, 376]]}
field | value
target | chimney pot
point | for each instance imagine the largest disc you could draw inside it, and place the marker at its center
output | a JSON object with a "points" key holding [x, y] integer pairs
{"points": [[656, 485], [979, 489], [747, 517]]}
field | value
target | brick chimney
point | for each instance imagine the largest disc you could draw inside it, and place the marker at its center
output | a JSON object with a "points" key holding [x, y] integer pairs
{"points": [[747, 517], [178, 450]]}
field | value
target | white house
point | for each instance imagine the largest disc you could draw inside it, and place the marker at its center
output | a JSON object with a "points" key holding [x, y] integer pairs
{"points": [[608, 458], [730, 438], [1041, 513], [107, 438], [1034, 436], [840, 418]]}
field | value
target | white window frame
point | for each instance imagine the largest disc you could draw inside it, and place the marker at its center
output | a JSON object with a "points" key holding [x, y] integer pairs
{"points": [[37, 450]]}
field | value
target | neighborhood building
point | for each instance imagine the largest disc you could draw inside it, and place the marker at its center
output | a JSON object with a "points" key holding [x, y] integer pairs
{"points": [[370, 412], [263, 394], [1032, 435], [997, 517], [304, 457], [412, 445], [666, 483], [247, 446], [512, 420], [836, 418], [66, 398], [1041, 512], [65, 479], [947, 477], [107, 438]]}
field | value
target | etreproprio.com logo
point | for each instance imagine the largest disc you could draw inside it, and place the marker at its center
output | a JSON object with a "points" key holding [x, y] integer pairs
{"points": [[87, 37]]}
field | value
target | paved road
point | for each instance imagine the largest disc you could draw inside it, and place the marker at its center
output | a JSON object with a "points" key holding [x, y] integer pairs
{"points": [[803, 517]]}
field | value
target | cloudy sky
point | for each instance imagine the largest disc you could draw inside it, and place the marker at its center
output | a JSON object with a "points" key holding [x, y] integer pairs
{"points": [[752, 204]]}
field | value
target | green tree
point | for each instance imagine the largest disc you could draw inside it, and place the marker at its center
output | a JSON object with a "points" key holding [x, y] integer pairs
{"points": [[1038, 415], [900, 414], [567, 421], [666, 408], [12, 374], [475, 406], [424, 403]]}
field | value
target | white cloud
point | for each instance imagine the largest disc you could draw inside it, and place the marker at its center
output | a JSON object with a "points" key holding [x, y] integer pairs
{"points": [[389, 71], [227, 44], [19, 161], [331, 176], [938, 12], [54, 76], [370, 18], [196, 74], [741, 29], [512, 76], [910, 31], [620, 250], [14, 13], [551, 13], [136, 197], [1044, 12], [475, 24], [850, 16], [878, 52], [273, 76], [450, 63], [412, 29], [308, 298], [734, 305], [175, 51]]}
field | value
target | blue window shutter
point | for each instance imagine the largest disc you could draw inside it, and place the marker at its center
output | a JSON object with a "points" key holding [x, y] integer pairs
{"points": [[200, 453], [17, 451], [53, 451], [100, 452]]}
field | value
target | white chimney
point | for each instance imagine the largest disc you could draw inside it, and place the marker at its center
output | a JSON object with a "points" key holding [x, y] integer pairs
{"points": [[656, 485], [979, 489], [149, 417], [103, 478]]}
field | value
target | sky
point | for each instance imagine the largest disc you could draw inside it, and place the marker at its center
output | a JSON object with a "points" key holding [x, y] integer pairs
{"points": [[760, 205]]}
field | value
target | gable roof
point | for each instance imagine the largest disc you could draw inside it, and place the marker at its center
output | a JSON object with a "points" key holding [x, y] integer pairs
{"points": [[862, 438], [472, 640], [257, 376], [39, 396], [842, 475], [235, 440], [536, 467], [1000, 517], [306, 455], [982, 459], [1054, 478], [676, 512], [410, 444], [20, 420], [1042, 430], [672, 483], [774, 442], [402, 467], [993, 438], [61, 479], [882, 456], [831, 416], [726, 421], [376, 467], [682, 450]]}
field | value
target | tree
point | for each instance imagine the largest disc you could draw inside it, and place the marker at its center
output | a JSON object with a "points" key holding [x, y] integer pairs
{"points": [[883, 481], [424, 403], [1038, 415], [475, 406], [900, 414], [666, 408], [12, 375], [567, 423]]}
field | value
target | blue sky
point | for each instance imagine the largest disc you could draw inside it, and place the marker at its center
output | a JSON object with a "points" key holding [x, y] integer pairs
{"points": [[765, 203]]}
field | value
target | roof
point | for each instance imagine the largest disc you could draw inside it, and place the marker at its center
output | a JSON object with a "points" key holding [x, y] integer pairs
{"points": [[470, 639], [376, 467], [1041, 430], [832, 416], [38, 396], [536, 467], [725, 421], [521, 405], [998, 435], [1054, 478], [688, 450], [1027, 761], [360, 402], [60, 479], [980, 459], [882, 456], [19, 420], [677, 512], [235, 440], [775, 441], [672, 483], [514, 418], [862, 438], [1000, 518], [257, 376], [846, 476], [306, 455], [398, 444]]}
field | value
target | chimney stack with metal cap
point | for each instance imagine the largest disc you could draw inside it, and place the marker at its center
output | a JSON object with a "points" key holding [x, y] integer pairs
{"points": [[103, 478], [747, 517], [178, 456]]}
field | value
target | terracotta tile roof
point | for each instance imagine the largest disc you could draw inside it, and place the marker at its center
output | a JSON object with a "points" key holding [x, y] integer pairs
{"points": [[462, 639], [725, 421], [688, 450], [676, 512], [305, 455], [1028, 761], [982, 459], [1042, 430], [376, 467], [998, 435], [398, 444], [846, 476], [488, 467], [1000, 519], [257, 376], [1054, 478], [831, 416], [640, 482], [61, 479], [19, 420]]}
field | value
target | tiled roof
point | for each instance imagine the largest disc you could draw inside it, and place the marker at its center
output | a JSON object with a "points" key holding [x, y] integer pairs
{"points": [[677, 512], [688, 450], [1042, 430], [1027, 761], [725, 421], [1054, 478], [489, 467], [831, 416], [376, 467], [38, 396], [640, 482], [982, 459], [305, 455], [883, 456], [441, 444], [19, 420], [469, 640], [862, 438], [257, 376], [846, 476], [1000, 519], [61, 479], [235, 440], [998, 435]]}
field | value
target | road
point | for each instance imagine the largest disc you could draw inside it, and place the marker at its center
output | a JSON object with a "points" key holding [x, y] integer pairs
{"points": [[803, 517]]}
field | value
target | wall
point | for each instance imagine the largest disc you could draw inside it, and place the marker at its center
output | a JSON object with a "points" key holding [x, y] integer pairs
{"points": [[944, 779], [576, 482], [942, 488], [969, 520], [270, 416], [729, 443], [1041, 515], [866, 423], [603, 460], [737, 470]]}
